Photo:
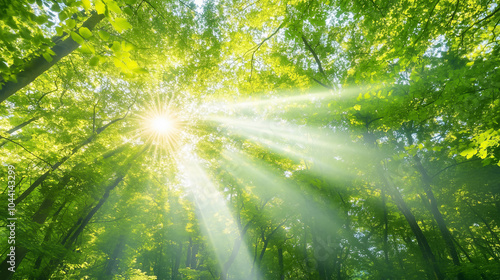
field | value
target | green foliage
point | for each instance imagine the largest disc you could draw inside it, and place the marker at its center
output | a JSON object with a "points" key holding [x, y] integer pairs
{"points": [[316, 139]]}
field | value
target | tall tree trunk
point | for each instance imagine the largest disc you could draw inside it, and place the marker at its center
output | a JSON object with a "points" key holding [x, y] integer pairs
{"points": [[55, 166], [39, 65], [70, 238], [448, 239], [194, 251], [386, 235], [234, 253], [281, 268], [432, 267], [111, 267], [188, 253], [175, 269]]}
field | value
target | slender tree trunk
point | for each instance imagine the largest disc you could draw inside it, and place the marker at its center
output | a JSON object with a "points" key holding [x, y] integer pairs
{"points": [[48, 235], [386, 235], [42, 178], [493, 234], [39, 65], [188, 253], [234, 253], [448, 239], [16, 128], [175, 269], [111, 268], [70, 238], [194, 251], [432, 267]]}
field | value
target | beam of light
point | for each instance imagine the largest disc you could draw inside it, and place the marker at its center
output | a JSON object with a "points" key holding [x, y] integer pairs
{"points": [[312, 97], [320, 150], [295, 134], [216, 219], [267, 183], [283, 138]]}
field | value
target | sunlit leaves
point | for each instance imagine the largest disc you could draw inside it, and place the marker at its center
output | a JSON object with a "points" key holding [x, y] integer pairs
{"points": [[120, 24], [85, 32], [77, 38], [100, 7]]}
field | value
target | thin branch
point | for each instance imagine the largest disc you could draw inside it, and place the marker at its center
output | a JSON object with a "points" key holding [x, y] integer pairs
{"points": [[16, 128], [481, 20], [187, 6], [454, 13], [318, 62], [322, 84], [316, 58], [26, 150], [453, 165], [426, 23], [257, 47]]}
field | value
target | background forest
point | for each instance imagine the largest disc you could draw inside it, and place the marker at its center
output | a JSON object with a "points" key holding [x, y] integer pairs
{"points": [[261, 139]]}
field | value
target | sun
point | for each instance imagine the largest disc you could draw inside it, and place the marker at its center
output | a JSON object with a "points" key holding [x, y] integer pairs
{"points": [[163, 124]]}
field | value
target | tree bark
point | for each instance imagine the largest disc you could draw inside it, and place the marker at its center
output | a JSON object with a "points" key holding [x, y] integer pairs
{"points": [[432, 267], [281, 269], [39, 65], [448, 239], [234, 253], [63, 160]]}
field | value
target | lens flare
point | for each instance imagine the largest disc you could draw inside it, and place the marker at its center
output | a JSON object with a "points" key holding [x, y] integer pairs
{"points": [[162, 124]]}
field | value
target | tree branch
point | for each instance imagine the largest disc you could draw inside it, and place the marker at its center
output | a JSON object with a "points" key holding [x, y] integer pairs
{"points": [[39, 65], [48, 163]]}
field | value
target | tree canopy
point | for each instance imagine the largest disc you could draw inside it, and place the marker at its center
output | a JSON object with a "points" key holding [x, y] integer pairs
{"points": [[216, 139]]}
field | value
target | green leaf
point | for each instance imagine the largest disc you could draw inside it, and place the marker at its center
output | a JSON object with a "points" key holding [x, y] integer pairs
{"points": [[47, 57], [86, 4], [357, 107], [112, 6], [87, 48], [85, 32], [116, 47], [468, 153], [94, 61], [100, 7], [77, 38], [121, 24], [59, 31], [103, 34], [126, 46], [141, 70], [55, 7], [71, 23], [128, 11], [130, 2]]}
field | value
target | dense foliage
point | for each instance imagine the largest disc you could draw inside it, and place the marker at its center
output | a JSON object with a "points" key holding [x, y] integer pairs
{"points": [[307, 139]]}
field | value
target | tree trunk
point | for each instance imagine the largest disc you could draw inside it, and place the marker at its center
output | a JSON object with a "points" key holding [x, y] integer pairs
{"points": [[386, 234], [63, 160], [234, 253], [39, 65], [432, 267], [281, 269], [175, 269], [112, 263], [448, 239]]}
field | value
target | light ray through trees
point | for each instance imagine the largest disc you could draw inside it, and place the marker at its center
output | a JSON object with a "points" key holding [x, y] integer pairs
{"points": [[225, 233]]}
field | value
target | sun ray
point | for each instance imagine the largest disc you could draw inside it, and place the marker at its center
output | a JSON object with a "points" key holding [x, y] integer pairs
{"points": [[257, 173], [217, 221]]}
